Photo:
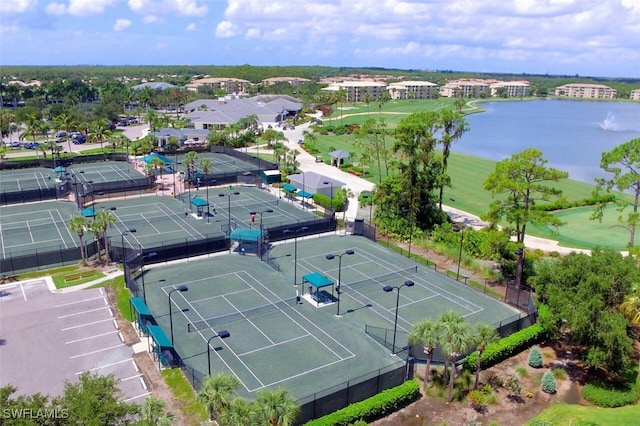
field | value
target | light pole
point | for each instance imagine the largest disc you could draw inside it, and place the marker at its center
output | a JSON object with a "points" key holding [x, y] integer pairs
{"points": [[208, 210], [182, 289], [295, 252], [330, 256], [461, 231], [228, 195], [388, 289], [148, 256], [519, 268], [330, 183], [124, 251], [260, 241], [223, 334]]}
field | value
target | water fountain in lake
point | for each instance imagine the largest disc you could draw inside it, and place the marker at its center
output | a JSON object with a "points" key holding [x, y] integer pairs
{"points": [[609, 123]]}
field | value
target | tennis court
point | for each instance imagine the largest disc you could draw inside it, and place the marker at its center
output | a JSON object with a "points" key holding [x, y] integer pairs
{"points": [[305, 347], [38, 178], [222, 163], [24, 228], [103, 173]]}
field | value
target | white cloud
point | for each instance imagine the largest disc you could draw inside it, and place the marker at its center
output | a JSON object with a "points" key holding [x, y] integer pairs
{"points": [[121, 24], [169, 7], [191, 27], [252, 33], [226, 29], [17, 6], [89, 7], [56, 9], [150, 19]]}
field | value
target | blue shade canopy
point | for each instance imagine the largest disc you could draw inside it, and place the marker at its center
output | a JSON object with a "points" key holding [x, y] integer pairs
{"points": [[159, 337], [317, 280], [305, 194], [88, 212], [247, 235], [60, 169], [141, 308], [199, 202], [289, 187], [149, 158]]}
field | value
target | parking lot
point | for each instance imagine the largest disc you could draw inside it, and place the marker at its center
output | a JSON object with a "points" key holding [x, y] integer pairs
{"points": [[47, 338]]}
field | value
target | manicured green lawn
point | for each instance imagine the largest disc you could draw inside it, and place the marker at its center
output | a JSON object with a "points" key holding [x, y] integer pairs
{"points": [[566, 414]]}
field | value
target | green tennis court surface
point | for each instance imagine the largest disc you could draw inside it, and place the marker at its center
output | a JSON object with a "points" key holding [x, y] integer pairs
{"points": [[304, 347], [222, 163], [27, 179], [158, 220]]}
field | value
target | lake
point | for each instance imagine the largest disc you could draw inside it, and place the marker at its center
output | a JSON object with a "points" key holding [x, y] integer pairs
{"points": [[572, 135]]}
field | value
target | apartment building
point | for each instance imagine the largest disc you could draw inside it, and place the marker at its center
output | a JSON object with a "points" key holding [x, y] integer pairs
{"points": [[294, 81], [467, 88], [356, 90], [413, 90], [635, 95], [584, 90], [513, 88], [229, 85]]}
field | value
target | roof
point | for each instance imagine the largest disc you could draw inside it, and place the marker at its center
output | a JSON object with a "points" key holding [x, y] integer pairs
{"points": [[289, 187], [339, 154], [232, 110], [305, 194], [313, 181], [155, 85], [317, 280], [89, 212], [159, 337], [249, 235], [141, 308], [199, 202]]}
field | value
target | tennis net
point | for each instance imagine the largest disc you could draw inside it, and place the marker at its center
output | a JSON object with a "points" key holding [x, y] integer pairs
{"points": [[366, 282], [214, 322]]}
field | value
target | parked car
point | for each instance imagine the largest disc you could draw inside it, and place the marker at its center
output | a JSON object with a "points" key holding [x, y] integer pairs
{"points": [[32, 145], [123, 122], [60, 140], [78, 138], [61, 134], [13, 144]]}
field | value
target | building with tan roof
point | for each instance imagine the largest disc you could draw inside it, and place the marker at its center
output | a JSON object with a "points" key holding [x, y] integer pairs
{"points": [[356, 90], [513, 88], [586, 90], [413, 90], [228, 84], [294, 81], [635, 95]]}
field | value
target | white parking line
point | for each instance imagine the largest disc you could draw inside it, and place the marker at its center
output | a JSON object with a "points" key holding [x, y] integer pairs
{"points": [[131, 377], [90, 337], [95, 352], [136, 397], [105, 366], [82, 312], [85, 324], [79, 301]]}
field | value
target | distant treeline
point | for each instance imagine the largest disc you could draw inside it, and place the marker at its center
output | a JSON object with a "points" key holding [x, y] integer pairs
{"points": [[182, 74]]}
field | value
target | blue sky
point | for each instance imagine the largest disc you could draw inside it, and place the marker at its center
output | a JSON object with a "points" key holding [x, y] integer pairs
{"points": [[585, 37]]}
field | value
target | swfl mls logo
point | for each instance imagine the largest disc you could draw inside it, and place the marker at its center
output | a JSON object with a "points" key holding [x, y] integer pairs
{"points": [[29, 413]]}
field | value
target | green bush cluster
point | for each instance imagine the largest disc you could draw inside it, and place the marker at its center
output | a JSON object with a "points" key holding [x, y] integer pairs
{"points": [[535, 357], [376, 407], [324, 201], [548, 384], [563, 204], [610, 395], [506, 347]]}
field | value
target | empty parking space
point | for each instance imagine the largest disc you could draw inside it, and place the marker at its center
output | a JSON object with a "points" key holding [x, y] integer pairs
{"points": [[49, 337]]}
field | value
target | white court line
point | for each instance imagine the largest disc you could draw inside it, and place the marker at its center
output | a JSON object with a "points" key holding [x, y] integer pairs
{"points": [[105, 366], [131, 377], [82, 312], [97, 351], [79, 301], [58, 229], [71, 236], [90, 337], [197, 233], [275, 344], [86, 324], [4, 255], [23, 293]]}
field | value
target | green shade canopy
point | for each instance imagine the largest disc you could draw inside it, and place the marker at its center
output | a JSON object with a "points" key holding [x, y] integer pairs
{"points": [[141, 308], [199, 202], [305, 194], [246, 235], [317, 280], [158, 336], [289, 187], [88, 212]]}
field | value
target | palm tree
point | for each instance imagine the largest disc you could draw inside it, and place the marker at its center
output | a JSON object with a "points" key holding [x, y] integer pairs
{"points": [[240, 412], [152, 412], [427, 334], [276, 407], [455, 339], [105, 218], [32, 127], [79, 224], [453, 126], [96, 228], [206, 165], [100, 131], [484, 335], [190, 160], [66, 122], [367, 100], [217, 392]]}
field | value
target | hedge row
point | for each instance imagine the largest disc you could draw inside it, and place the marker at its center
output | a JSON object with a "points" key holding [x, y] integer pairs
{"points": [[376, 407], [563, 204], [506, 347], [611, 396]]}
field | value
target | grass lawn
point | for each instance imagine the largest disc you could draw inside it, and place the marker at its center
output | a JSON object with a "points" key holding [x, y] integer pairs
{"points": [[569, 414]]}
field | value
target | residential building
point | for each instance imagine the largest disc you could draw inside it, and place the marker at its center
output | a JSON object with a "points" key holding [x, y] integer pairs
{"points": [[229, 85], [585, 90], [294, 81], [154, 85], [467, 88], [184, 137], [413, 90], [635, 95], [356, 90], [513, 88]]}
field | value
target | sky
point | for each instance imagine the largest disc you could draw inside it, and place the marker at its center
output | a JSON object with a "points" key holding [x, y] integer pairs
{"points": [[558, 37]]}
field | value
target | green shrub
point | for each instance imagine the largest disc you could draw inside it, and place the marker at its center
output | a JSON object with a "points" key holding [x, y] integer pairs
{"points": [[611, 395], [506, 347], [522, 371], [535, 357], [376, 407], [559, 373], [548, 383]]}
